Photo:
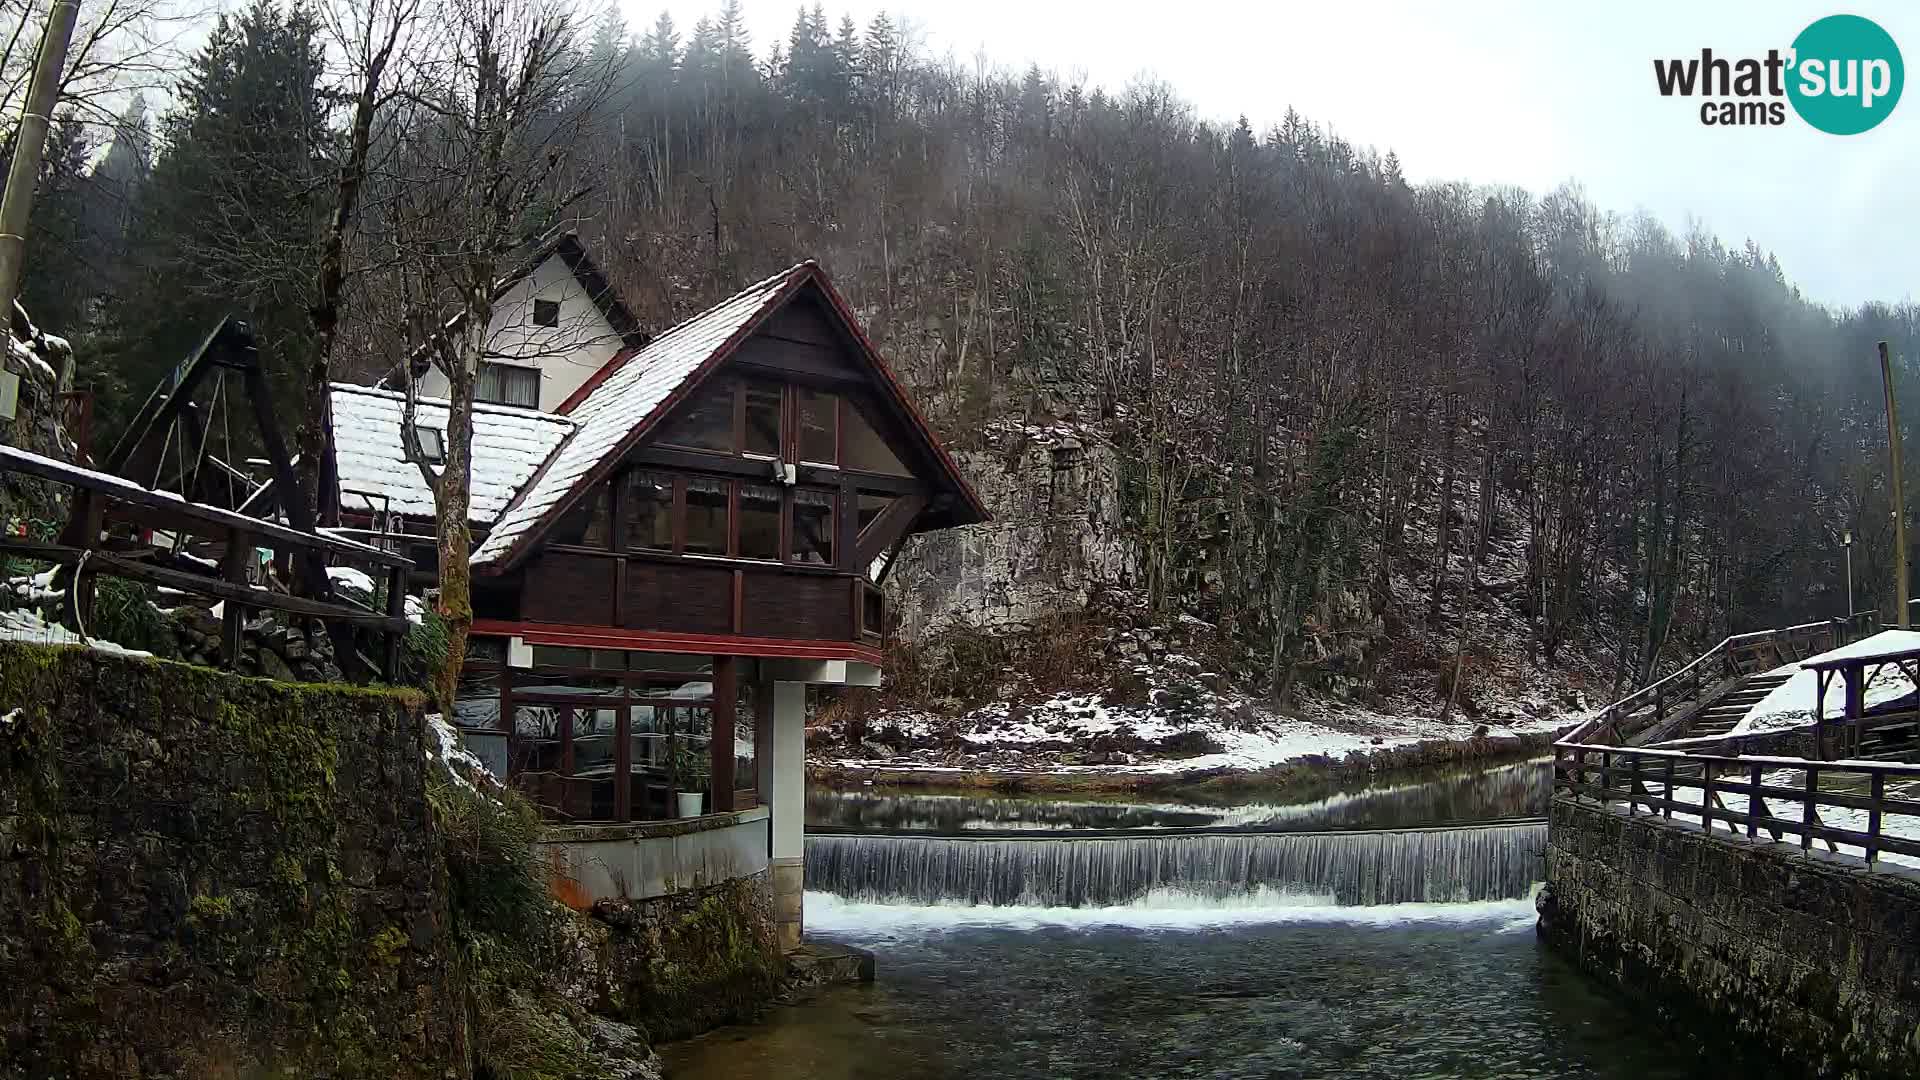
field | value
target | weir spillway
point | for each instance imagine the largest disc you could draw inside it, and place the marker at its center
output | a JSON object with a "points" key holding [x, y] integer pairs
{"points": [[1488, 861]]}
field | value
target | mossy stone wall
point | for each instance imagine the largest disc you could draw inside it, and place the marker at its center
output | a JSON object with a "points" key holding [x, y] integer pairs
{"points": [[694, 960], [209, 876], [1803, 965]]}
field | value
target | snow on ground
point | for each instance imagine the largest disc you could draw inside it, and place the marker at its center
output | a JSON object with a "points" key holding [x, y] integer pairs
{"points": [[351, 578], [1903, 826], [29, 626], [1248, 738], [35, 588], [1791, 704], [446, 748]]}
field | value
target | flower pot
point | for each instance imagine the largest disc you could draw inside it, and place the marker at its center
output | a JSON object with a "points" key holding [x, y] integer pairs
{"points": [[690, 803]]}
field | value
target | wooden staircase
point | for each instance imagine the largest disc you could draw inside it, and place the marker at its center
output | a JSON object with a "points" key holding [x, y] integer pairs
{"points": [[1708, 696], [1720, 715]]}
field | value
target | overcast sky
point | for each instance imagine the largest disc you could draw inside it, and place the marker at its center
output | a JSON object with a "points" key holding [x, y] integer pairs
{"points": [[1491, 92]]}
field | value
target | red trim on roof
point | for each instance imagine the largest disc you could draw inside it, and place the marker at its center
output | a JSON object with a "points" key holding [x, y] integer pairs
{"points": [[614, 637], [614, 363]]}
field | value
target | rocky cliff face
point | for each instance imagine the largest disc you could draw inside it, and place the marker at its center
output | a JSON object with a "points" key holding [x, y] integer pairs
{"points": [[1057, 540]]}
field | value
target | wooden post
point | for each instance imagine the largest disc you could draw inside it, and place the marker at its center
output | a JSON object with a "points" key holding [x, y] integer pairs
{"points": [[1633, 785], [1806, 808], [1896, 487], [1874, 799], [726, 695], [396, 609], [1753, 802], [1667, 810], [89, 514], [763, 745], [233, 567], [623, 761], [1706, 796]]}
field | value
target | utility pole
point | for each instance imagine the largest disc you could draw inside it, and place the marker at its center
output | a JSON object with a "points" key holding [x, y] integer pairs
{"points": [[1900, 597], [30, 140], [1846, 541]]}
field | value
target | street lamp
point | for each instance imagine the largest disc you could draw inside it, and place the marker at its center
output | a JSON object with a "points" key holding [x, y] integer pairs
{"points": [[1846, 541]]}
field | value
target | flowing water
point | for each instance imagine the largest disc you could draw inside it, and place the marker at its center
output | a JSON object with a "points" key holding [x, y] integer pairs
{"points": [[1432, 865], [1223, 952]]}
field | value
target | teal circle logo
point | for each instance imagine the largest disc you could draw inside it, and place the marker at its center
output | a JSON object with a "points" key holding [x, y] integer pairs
{"points": [[1846, 75]]}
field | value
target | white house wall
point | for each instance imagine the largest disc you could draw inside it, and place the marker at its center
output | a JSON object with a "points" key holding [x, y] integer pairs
{"points": [[566, 354]]}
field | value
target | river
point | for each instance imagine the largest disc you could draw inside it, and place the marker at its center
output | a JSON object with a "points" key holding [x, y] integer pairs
{"points": [[1134, 955]]}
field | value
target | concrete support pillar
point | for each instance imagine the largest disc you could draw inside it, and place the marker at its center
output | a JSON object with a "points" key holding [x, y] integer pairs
{"points": [[787, 802]]}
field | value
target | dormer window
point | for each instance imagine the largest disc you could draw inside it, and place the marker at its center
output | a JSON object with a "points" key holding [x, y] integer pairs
{"points": [[507, 384], [433, 445], [546, 313]]}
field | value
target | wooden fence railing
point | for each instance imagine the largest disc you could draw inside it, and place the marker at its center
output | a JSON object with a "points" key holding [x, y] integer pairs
{"points": [[1739, 654], [1655, 782], [100, 497]]}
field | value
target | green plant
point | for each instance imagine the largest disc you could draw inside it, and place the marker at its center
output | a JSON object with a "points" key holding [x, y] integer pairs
{"points": [[123, 613], [691, 766], [425, 650]]}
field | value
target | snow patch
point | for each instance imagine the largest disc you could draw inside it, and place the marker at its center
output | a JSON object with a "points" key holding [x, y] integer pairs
{"points": [[446, 749], [351, 578], [30, 627]]}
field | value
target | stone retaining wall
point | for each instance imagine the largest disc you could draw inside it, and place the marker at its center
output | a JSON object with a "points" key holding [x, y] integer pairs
{"points": [[1810, 960], [207, 876]]}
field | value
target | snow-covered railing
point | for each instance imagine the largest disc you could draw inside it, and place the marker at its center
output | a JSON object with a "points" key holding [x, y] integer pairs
{"points": [[1859, 808], [82, 547], [1737, 654]]}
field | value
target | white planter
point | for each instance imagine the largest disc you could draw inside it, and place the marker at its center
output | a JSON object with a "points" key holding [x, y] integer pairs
{"points": [[690, 803]]}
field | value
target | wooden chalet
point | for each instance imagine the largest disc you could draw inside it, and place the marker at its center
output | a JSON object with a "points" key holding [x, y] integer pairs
{"points": [[696, 532]]}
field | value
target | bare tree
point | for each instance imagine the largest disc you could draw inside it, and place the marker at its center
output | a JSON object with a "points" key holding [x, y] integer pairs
{"points": [[492, 118], [368, 34]]}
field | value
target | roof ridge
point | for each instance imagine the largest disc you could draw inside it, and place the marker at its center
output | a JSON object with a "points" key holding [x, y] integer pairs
{"points": [[762, 284]]}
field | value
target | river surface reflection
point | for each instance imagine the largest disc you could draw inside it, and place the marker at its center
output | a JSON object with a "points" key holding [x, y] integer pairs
{"points": [[1460, 795]]}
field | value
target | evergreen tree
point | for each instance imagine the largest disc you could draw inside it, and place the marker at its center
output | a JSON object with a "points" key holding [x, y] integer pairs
{"points": [[229, 221]]}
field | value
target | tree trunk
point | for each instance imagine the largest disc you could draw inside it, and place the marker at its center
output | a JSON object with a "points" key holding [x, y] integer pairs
{"points": [[456, 492]]}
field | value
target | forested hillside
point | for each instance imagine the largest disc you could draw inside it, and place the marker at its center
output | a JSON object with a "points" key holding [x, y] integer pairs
{"points": [[1247, 395]]}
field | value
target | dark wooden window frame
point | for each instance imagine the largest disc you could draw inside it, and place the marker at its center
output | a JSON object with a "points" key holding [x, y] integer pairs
{"points": [[789, 439], [613, 490], [634, 684]]}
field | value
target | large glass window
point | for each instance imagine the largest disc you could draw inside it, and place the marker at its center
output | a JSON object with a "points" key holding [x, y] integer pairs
{"points": [[763, 418], [813, 527], [817, 412], [707, 422], [866, 451], [707, 524], [647, 503], [587, 523], [759, 522]]}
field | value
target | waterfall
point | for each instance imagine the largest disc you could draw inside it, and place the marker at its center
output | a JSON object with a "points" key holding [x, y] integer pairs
{"points": [[1490, 862]]}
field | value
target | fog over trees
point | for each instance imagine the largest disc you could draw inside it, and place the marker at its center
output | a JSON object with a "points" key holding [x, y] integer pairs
{"points": [[1326, 382]]}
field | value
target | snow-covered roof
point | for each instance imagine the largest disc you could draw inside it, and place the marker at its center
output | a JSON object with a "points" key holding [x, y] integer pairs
{"points": [[509, 445], [1886, 643], [629, 398]]}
